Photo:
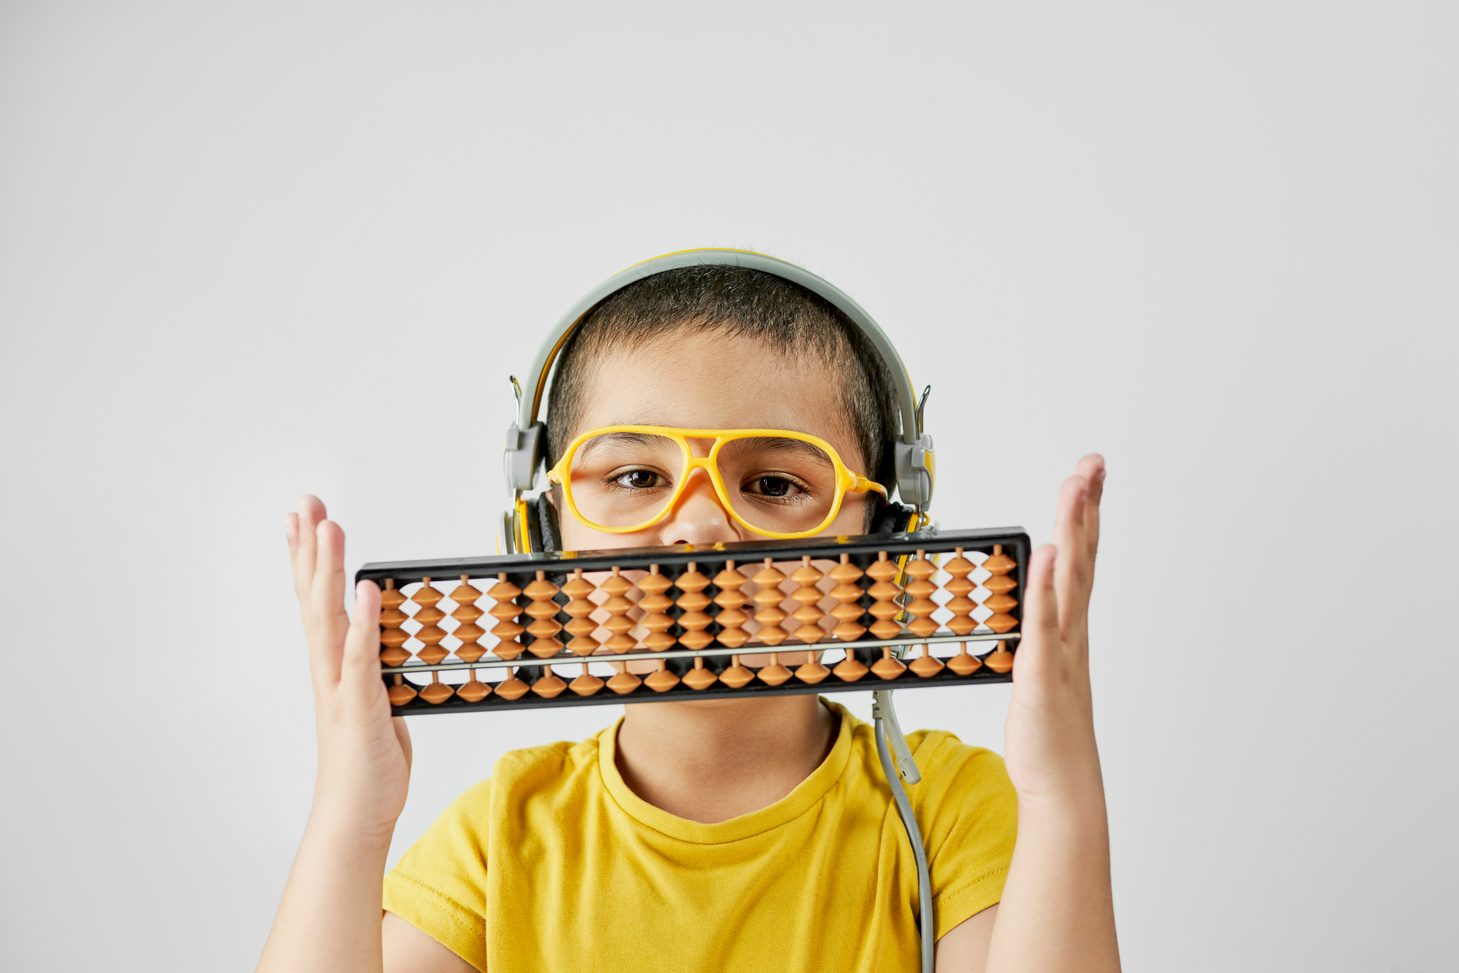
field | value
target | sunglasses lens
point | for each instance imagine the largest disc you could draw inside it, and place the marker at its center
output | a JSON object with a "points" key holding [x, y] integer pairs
{"points": [[625, 479], [779, 484]]}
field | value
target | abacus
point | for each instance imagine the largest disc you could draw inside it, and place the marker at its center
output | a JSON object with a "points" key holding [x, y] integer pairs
{"points": [[685, 622]]}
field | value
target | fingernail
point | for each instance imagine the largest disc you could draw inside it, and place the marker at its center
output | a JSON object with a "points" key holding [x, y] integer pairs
{"points": [[1100, 475]]}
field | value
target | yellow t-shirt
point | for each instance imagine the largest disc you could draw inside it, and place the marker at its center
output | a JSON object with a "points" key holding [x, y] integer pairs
{"points": [[554, 864]]}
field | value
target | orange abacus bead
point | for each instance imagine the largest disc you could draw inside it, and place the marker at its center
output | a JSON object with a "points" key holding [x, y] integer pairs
{"points": [[511, 687], [1001, 660], [964, 664], [475, 690], [736, 676], [506, 611], [961, 606], [582, 627], [618, 624], [768, 598], [921, 588], [466, 613], [437, 692], [887, 667], [884, 592], [624, 681], [587, 684], [656, 605], [661, 680], [543, 611], [1000, 602], [848, 611], [850, 668], [774, 674], [808, 597], [693, 602], [400, 693], [926, 665], [700, 677], [694, 620], [393, 638], [548, 684], [812, 672], [730, 600], [428, 615], [658, 622]]}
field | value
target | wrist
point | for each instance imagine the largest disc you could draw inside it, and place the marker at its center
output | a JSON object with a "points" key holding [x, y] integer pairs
{"points": [[338, 820], [1079, 807]]}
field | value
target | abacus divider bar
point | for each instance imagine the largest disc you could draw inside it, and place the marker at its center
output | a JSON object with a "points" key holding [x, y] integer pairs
{"points": [[714, 651], [677, 556]]}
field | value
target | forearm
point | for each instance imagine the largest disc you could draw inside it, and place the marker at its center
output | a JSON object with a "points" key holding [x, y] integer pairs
{"points": [[329, 918], [1057, 911]]}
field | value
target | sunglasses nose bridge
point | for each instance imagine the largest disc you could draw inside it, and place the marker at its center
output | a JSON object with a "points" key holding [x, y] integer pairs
{"points": [[700, 446], [699, 474]]}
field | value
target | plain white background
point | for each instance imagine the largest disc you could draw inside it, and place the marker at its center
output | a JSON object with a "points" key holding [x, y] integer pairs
{"points": [[249, 250]]}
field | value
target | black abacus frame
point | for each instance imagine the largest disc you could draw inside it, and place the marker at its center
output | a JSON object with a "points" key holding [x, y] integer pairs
{"points": [[521, 569]]}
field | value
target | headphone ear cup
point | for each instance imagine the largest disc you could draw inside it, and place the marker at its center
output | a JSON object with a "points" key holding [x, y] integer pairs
{"points": [[892, 518], [542, 529]]}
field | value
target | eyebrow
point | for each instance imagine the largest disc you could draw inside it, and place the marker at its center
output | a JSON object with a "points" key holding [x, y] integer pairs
{"points": [[785, 444], [616, 439]]}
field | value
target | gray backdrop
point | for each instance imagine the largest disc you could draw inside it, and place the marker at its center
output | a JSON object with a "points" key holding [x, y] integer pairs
{"points": [[248, 250]]}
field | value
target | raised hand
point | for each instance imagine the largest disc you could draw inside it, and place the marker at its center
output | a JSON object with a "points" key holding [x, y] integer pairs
{"points": [[364, 754], [1049, 737]]}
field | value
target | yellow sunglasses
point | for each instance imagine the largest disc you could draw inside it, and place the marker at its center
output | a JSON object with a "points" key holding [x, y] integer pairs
{"points": [[774, 482]]}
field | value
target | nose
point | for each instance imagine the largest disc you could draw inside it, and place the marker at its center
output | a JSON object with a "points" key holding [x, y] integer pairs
{"points": [[698, 518]]}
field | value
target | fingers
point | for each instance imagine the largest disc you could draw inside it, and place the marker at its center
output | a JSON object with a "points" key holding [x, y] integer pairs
{"points": [[1040, 617], [1092, 468], [327, 588], [325, 616], [1073, 568], [360, 667], [300, 528]]}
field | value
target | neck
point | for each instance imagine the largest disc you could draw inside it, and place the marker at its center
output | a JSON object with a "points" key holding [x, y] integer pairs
{"points": [[713, 760]]}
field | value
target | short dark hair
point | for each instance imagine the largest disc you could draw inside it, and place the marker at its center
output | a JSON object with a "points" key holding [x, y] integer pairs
{"points": [[739, 302]]}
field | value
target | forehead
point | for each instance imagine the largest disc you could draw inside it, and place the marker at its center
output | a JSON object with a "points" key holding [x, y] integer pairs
{"points": [[706, 380]]}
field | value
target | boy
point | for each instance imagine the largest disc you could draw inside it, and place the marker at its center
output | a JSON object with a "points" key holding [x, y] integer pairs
{"points": [[725, 834]]}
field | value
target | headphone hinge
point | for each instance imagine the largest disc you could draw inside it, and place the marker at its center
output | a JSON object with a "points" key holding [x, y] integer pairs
{"points": [[522, 456], [914, 471]]}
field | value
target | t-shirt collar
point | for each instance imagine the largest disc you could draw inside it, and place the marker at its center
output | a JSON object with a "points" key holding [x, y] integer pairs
{"points": [[805, 795]]}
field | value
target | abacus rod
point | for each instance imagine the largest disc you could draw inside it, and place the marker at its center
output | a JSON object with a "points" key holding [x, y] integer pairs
{"points": [[784, 648]]}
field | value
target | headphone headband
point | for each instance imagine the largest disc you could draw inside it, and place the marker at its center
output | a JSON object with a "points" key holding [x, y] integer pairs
{"points": [[525, 439]]}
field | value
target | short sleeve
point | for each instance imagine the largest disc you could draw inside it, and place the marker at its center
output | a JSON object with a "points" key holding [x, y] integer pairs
{"points": [[439, 884], [969, 811]]}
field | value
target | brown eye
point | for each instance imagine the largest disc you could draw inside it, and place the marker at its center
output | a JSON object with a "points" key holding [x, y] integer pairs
{"points": [[772, 486], [638, 479]]}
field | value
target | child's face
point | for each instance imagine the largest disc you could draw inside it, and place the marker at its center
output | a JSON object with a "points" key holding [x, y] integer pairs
{"points": [[703, 380]]}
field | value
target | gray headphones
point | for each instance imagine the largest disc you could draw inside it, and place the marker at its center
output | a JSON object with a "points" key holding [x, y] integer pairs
{"points": [[526, 440]]}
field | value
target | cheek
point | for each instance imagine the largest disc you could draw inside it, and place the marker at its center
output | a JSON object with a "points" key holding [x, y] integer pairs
{"points": [[576, 536], [850, 519]]}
